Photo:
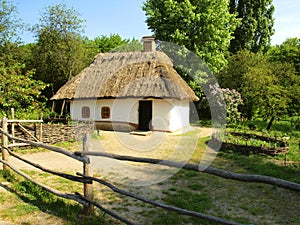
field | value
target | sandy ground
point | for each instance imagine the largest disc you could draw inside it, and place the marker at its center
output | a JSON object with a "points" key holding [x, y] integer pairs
{"points": [[157, 145], [123, 174]]}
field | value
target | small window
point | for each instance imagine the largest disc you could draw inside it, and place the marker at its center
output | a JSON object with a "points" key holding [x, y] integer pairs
{"points": [[85, 112], [105, 112]]}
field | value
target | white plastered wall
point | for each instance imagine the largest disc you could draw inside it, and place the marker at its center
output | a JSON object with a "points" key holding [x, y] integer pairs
{"points": [[168, 114], [122, 110]]}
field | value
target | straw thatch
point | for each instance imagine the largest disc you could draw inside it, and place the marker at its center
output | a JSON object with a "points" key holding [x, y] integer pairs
{"points": [[134, 74]]}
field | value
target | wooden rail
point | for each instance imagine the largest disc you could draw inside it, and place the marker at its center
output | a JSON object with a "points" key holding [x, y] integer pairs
{"points": [[13, 122], [87, 198], [195, 167], [87, 189]]}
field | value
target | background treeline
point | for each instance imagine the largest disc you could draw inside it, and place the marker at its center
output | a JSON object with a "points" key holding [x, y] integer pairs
{"points": [[232, 37], [31, 73]]}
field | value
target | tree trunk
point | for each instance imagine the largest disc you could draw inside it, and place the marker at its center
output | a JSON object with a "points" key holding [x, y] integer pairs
{"points": [[270, 123]]}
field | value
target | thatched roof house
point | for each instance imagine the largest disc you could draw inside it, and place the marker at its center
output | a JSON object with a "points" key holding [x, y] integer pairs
{"points": [[126, 88]]}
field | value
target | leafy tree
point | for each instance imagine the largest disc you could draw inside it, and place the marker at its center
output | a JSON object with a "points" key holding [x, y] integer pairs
{"points": [[232, 75], [19, 90], [59, 52], [256, 27], [268, 88], [10, 26], [107, 43], [9, 23], [112, 43], [204, 27], [132, 46], [288, 51], [265, 90]]}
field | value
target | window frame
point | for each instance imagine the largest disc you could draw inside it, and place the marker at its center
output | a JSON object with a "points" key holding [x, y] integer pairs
{"points": [[85, 112], [105, 112]]}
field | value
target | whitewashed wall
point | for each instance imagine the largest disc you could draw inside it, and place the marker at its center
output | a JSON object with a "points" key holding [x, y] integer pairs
{"points": [[168, 115], [122, 110], [180, 115]]}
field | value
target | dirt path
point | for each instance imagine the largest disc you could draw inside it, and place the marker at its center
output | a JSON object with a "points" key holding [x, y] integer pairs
{"points": [[157, 145]]}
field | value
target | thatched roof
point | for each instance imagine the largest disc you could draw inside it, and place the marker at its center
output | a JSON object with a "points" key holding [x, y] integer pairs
{"points": [[134, 74]]}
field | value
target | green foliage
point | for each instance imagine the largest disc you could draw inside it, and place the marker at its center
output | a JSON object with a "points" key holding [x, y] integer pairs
{"points": [[203, 27], [283, 129], [251, 139], [132, 46], [9, 23], [256, 27], [18, 90], [112, 43], [107, 43], [59, 52], [10, 26], [288, 51], [269, 89]]}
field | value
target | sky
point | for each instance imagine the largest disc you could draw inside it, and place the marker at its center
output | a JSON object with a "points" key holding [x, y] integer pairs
{"points": [[126, 18]]}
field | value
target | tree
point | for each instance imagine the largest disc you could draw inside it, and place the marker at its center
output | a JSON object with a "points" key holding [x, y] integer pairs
{"points": [[203, 27], [256, 27], [9, 23], [18, 90], [264, 89], [268, 88], [107, 43], [59, 52], [288, 51], [10, 26], [111, 43]]}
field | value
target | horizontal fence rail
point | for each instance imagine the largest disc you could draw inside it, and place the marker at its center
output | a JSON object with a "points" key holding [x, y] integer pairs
{"points": [[210, 170], [87, 179], [63, 175], [49, 147]]}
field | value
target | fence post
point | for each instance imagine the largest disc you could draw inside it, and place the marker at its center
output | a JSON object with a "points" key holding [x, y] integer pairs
{"points": [[41, 128], [13, 125], [87, 171], [4, 143]]}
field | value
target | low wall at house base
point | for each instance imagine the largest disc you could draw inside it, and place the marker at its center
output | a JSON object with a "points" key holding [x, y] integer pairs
{"points": [[117, 126]]}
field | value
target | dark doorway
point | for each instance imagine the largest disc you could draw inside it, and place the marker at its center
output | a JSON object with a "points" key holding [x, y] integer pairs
{"points": [[145, 115]]}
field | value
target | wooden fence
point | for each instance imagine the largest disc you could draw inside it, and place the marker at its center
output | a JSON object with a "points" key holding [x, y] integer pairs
{"points": [[87, 198]]}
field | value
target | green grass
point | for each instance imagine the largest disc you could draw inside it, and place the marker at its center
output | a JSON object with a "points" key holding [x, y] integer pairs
{"points": [[32, 198], [18, 210], [255, 164], [279, 129]]}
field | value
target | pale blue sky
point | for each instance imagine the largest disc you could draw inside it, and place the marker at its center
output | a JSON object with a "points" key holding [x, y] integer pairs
{"points": [[126, 18]]}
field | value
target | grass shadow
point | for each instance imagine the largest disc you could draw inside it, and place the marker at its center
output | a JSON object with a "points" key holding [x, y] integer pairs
{"points": [[34, 195], [256, 164]]}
